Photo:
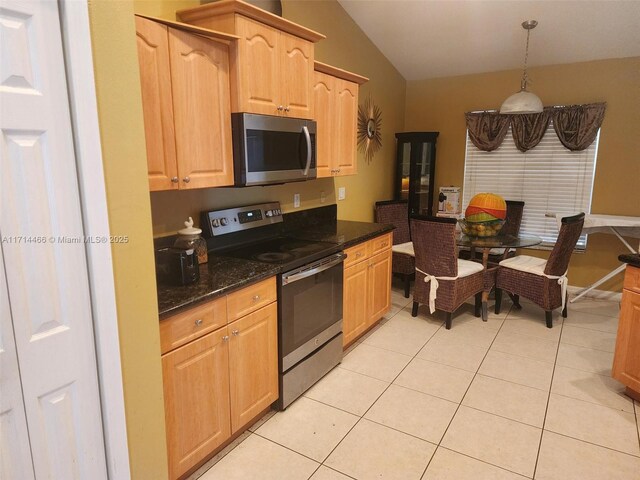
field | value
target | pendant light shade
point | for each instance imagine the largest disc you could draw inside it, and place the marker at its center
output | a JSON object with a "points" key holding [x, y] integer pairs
{"points": [[523, 101]]}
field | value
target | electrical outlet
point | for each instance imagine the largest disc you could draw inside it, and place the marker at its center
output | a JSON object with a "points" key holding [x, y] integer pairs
{"points": [[323, 197], [296, 200], [342, 193]]}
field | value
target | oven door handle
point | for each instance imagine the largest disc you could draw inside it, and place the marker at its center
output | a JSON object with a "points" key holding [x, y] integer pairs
{"points": [[307, 137], [294, 277]]}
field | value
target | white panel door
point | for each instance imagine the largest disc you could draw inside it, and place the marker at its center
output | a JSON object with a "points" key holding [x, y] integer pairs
{"points": [[46, 272], [15, 452]]}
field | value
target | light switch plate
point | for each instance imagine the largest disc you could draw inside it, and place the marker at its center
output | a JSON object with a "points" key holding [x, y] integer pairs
{"points": [[342, 193], [296, 200]]}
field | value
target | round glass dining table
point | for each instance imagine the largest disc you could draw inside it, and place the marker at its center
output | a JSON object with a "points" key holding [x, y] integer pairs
{"points": [[486, 244], [500, 241]]}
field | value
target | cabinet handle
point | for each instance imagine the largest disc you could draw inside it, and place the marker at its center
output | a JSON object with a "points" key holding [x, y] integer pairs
{"points": [[358, 255], [287, 108], [256, 298], [225, 338], [186, 179], [174, 179], [338, 171], [384, 244], [198, 322], [280, 108], [235, 333]]}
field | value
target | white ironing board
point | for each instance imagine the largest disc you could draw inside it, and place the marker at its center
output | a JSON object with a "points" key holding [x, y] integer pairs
{"points": [[612, 224]]}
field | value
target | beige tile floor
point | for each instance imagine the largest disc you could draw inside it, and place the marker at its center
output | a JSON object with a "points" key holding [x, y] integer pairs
{"points": [[506, 399]]}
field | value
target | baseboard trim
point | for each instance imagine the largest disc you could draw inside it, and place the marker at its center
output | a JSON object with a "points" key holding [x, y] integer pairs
{"points": [[595, 294]]}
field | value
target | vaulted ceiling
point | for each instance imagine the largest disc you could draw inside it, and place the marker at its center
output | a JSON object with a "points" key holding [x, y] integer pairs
{"points": [[429, 38]]}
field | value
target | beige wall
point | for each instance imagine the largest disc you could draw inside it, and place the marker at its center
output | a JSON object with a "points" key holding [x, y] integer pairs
{"points": [[439, 104], [124, 157], [346, 47]]}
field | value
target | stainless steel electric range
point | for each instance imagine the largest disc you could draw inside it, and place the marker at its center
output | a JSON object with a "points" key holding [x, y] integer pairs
{"points": [[309, 289]]}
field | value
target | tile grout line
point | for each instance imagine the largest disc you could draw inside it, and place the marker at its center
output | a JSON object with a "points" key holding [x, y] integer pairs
{"points": [[635, 409], [463, 396], [594, 444], [546, 410]]}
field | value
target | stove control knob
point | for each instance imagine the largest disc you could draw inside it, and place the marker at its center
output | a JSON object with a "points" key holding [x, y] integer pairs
{"points": [[223, 221], [269, 213], [215, 223]]}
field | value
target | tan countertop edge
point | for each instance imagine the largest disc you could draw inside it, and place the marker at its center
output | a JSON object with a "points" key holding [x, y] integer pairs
{"points": [[340, 73], [222, 7], [205, 32]]}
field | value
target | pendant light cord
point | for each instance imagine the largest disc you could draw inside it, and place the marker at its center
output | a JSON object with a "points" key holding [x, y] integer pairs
{"points": [[525, 76]]}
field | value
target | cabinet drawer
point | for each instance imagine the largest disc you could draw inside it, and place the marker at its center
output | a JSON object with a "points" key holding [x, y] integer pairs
{"points": [[251, 298], [195, 322], [632, 279], [380, 244], [355, 254]]}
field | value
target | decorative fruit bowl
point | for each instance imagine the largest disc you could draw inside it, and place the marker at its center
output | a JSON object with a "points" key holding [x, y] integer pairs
{"points": [[490, 228]]}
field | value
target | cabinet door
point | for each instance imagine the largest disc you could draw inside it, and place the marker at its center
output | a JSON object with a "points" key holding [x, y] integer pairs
{"points": [[201, 104], [157, 107], [258, 78], [355, 310], [626, 362], [379, 286], [253, 364], [346, 133], [324, 107], [296, 70], [196, 397]]}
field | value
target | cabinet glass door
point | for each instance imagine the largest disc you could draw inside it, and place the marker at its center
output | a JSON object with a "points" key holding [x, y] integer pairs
{"points": [[405, 170], [422, 187]]}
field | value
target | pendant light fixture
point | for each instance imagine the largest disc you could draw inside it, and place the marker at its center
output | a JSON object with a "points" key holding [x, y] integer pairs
{"points": [[523, 101]]}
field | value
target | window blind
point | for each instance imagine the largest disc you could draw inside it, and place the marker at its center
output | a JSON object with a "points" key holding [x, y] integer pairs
{"points": [[548, 178]]}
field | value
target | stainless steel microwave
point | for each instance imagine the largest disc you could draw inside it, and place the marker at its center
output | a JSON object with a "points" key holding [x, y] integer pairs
{"points": [[269, 150]]}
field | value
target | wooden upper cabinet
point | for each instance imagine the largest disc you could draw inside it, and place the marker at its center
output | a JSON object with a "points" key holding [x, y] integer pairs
{"points": [[186, 103], [323, 91], [257, 89], [196, 395], [202, 110], [296, 70], [157, 104], [336, 106], [347, 119], [273, 61]]}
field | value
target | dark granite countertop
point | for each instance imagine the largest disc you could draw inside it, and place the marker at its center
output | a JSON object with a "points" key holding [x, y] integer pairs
{"points": [[631, 259], [343, 232], [218, 277]]}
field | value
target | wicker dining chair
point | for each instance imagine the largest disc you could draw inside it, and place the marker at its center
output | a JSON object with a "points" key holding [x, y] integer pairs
{"points": [[513, 220], [544, 282], [396, 212], [437, 260]]}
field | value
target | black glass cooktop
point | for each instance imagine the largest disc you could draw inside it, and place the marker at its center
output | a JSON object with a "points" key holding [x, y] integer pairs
{"points": [[284, 251]]}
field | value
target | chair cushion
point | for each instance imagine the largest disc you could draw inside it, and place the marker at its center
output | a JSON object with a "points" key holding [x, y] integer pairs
{"points": [[404, 248], [525, 263], [467, 267]]}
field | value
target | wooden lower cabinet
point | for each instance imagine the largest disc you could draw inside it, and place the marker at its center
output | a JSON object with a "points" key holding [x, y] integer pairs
{"points": [[196, 395], [379, 286], [355, 302], [253, 365], [219, 381], [626, 362], [367, 286]]}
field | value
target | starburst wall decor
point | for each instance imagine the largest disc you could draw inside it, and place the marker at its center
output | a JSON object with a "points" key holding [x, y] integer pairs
{"points": [[369, 129]]}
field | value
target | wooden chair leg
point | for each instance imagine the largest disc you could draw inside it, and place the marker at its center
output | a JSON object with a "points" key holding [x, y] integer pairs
{"points": [[498, 305], [414, 310], [548, 315], [478, 305], [566, 303], [407, 285], [447, 323], [516, 300]]}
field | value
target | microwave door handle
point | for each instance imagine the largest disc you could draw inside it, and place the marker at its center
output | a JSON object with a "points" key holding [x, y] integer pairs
{"points": [[307, 137]]}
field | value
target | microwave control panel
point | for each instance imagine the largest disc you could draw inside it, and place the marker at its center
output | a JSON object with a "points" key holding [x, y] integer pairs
{"points": [[220, 222]]}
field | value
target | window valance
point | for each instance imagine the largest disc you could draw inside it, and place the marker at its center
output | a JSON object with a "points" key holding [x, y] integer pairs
{"points": [[575, 125]]}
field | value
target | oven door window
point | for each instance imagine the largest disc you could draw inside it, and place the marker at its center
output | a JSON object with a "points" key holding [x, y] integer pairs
{"points": [[310, 306]]}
